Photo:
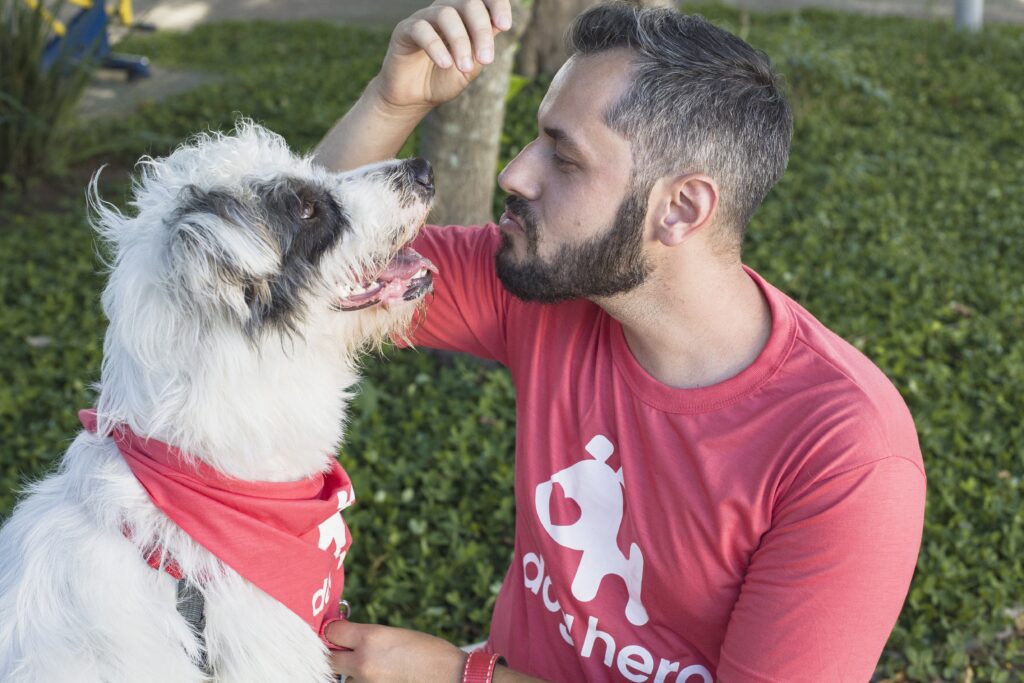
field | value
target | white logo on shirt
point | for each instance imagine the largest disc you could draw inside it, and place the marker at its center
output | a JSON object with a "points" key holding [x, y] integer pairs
{"points": [[598, 490]]}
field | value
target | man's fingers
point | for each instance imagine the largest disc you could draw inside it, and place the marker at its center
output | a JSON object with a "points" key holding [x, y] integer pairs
{"points": [[456, 31], [501, 13], [344, 663], [424, 36], [452, 29], [355, 637], [344, 633], [478, 23]]}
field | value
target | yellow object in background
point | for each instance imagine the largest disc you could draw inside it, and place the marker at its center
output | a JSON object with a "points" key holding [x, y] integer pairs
{"points": [[124, 13]]}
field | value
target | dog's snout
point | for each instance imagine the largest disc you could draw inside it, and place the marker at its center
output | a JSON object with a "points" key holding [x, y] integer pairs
{"points": [[422, 175]]}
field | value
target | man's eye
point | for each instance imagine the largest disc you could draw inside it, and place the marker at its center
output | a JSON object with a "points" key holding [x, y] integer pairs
{"points": [[562, 162]]}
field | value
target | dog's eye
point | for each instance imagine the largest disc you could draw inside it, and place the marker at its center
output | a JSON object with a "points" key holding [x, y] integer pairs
{"points": [[308, 210]]}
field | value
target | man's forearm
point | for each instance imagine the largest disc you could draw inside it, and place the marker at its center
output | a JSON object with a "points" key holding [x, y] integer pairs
{"points": [[505, 675], [371, 131]]}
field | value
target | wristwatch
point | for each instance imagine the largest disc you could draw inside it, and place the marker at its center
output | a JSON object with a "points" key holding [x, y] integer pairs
{"points": [[480, 667]]}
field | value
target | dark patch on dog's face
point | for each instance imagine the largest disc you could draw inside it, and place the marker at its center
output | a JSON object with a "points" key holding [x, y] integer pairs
{"points": [[306, 221], [297, 219]]}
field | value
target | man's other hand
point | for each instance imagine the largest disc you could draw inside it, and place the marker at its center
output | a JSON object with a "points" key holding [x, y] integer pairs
{"points": [[380, 654]]}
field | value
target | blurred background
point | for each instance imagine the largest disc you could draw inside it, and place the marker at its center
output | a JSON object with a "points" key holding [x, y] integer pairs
{"points": [[899, 224]]}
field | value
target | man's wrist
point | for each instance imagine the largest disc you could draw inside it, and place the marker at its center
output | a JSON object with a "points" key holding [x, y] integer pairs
{"points": [[479, 667], [381, 105], [371, 131]]}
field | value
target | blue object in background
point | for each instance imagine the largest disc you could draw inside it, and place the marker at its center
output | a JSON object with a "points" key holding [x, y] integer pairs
{"points": [[86, 38]]}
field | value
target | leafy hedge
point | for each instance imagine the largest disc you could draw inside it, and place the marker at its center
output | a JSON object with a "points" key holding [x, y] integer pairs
{"points": [[34, 101], [900, 224]]}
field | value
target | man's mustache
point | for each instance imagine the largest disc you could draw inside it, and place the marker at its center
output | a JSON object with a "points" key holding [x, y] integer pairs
{"points": [[521, 208]]}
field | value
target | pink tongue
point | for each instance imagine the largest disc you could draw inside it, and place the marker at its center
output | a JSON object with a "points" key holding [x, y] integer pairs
{"points": [[396, 276], [405, 264]]}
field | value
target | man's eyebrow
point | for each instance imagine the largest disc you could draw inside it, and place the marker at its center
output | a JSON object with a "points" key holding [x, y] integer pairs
{"points": [[563, 138]]}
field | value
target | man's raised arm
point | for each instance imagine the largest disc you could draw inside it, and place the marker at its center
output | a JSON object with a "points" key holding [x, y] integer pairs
{"points": [[433, 55]]}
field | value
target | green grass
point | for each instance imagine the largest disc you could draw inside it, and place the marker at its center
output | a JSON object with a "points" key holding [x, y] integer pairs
{"points": [[900, 224]]}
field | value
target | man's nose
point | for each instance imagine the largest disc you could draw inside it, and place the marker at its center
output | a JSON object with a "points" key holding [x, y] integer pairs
{"points": [[516, 177]]}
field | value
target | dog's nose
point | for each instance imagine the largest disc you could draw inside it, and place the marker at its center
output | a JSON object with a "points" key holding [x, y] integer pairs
{"points": [[422, 173]]}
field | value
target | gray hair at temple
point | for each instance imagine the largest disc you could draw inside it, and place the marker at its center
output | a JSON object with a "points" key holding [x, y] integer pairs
{"points": [[702, 100]]}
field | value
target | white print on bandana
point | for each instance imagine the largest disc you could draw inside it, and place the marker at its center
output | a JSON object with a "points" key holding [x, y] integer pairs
{"points": [[598, 490], [332, 532]]}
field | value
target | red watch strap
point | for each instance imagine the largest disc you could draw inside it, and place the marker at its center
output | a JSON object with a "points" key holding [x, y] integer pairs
{"points": [[479, 667]]}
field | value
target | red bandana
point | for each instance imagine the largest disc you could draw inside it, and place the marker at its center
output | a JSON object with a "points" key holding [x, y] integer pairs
{"points": [[288, 539]]}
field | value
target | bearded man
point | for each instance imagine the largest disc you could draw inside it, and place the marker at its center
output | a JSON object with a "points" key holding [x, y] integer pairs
{"points": [[710, 485]]}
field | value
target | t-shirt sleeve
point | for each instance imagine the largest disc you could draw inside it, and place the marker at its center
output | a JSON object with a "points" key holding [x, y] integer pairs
{"points": [[469, 307], [827, 583]]}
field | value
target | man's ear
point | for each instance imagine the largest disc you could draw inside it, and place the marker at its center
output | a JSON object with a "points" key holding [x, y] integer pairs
{"points": [[684, 205]]}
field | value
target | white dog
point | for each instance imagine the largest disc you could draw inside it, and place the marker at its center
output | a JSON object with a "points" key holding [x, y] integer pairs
{"points": [[240, 296]]}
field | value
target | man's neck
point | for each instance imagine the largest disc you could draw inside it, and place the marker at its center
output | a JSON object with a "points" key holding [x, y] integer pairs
{"points": [[698, 329]]}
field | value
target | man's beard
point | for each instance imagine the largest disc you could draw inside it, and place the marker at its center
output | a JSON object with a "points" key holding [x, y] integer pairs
{"points": [[612, 263]]}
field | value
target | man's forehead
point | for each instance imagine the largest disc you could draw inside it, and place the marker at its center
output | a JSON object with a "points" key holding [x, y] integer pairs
{"points": [[582, 92]]}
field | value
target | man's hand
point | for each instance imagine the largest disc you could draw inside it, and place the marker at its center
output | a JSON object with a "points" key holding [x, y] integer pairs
{"points": [[432, 57], [380, 654], [439, 50]]}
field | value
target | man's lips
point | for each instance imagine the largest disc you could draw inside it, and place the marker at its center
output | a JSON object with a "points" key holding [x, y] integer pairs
{"points": [[511, 222]]}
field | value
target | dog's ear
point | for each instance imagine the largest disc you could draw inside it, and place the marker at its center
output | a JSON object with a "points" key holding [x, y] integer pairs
{"points": [[220, 252]]}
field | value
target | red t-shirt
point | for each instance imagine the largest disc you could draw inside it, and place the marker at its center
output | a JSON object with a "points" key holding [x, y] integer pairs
{"points": [[765, 528]]}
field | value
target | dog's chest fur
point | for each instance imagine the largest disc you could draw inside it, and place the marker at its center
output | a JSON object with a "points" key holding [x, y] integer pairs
{"points": [[78, 601]]}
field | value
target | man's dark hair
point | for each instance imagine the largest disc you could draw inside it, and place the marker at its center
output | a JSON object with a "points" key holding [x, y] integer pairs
{"points": [[702, 100]]}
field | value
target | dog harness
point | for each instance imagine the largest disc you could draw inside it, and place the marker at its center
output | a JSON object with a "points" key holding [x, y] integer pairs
{"points": [[286, 538]]}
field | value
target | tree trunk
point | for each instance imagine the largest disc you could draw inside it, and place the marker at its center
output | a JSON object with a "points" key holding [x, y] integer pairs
{"points": [[542, 49], [461, 138]]}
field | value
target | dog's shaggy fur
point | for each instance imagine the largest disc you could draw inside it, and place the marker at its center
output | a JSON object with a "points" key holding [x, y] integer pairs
{"points": [[240, 296]]}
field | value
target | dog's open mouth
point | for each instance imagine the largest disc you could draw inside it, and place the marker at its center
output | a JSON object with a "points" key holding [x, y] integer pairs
{"points": [[407, 277]]}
